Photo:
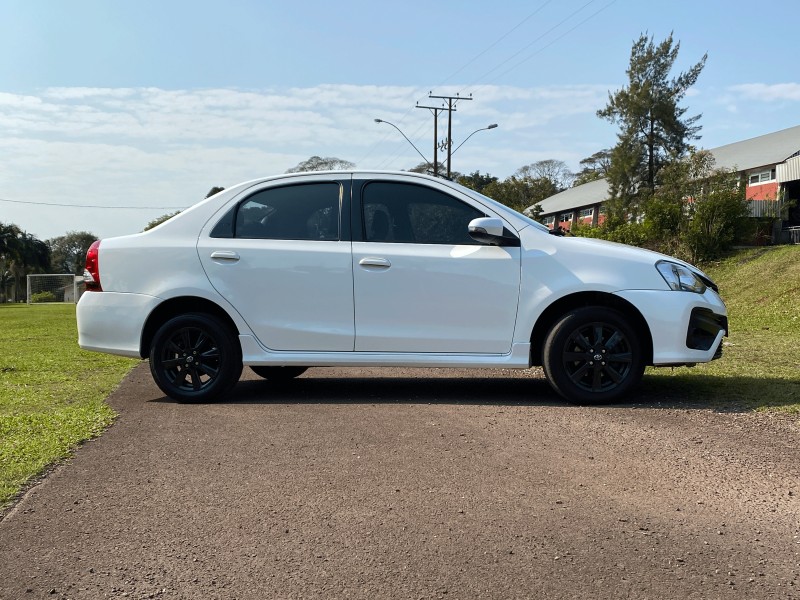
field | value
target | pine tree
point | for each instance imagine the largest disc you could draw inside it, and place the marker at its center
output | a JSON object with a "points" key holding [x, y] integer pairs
{"points": [[654, 130]]}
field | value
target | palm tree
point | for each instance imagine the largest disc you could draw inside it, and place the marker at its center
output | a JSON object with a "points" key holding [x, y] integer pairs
{"points": [[33, 256], [9, 252]]}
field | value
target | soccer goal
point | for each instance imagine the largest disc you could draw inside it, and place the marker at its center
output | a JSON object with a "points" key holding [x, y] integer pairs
{"points": [[54, 288]]}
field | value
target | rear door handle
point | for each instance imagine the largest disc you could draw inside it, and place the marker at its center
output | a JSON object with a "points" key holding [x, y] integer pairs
{"points": [[381, 263], [225, 255]]}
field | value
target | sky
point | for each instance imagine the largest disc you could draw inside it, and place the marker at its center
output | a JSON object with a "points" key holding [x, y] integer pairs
{"points": [[113, 113]]}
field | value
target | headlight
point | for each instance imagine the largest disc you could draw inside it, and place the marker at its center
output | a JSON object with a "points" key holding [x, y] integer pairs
{"points": [[679, 278]]}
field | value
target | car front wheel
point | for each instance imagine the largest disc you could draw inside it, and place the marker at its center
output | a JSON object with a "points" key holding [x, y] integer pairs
{"points": [[195, 358], [593, 355]]}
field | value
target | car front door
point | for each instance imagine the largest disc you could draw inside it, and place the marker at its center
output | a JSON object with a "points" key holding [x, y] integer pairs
{"points": [[281, 256], [421, 283]]}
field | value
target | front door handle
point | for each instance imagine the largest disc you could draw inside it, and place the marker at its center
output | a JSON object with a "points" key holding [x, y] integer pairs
{"points": [[225, 255], [380, 263]]}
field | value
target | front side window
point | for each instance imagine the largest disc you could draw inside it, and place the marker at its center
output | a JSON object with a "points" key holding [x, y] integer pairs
{"points": [[409, 213], [295, 212]]}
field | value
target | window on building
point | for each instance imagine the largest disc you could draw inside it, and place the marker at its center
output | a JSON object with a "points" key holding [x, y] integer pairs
{"points": [[586, 213], [565, 217], [549, 220], [756, 177]]}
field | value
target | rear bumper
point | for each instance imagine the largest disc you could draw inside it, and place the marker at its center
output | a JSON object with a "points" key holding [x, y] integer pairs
{"points": [[112, 322]]}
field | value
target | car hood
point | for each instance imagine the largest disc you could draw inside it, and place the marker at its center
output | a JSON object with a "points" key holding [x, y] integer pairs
{"points": [[603, 265], [624, 250]]}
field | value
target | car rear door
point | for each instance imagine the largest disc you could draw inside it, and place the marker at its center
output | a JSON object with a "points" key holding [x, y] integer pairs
{"points": [[281, 255]]}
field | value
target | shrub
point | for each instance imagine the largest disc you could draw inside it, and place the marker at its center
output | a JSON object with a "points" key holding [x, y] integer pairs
{"points": [[44, 296]]}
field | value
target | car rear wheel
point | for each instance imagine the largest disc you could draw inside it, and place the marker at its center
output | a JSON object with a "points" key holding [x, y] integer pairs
{"points": [[592, 355], [195, 358], [278, 374]]}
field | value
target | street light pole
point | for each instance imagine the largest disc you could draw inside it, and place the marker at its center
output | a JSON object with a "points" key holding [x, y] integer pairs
{"points": [[492, 126], [405, 136]]}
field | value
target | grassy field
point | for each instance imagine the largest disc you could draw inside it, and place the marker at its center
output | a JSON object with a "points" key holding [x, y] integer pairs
{"points": [[51, 392], [760, 368]]}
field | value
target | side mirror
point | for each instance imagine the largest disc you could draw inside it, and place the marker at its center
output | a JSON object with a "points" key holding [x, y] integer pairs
{"points": [[489, 230]]}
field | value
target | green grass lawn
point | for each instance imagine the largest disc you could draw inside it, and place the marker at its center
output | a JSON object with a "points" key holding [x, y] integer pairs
{"points": [[760, 367], [51, 392]]}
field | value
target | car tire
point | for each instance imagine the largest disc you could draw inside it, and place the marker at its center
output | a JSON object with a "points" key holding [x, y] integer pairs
{"points": [[278, 374], [592, 355], [195, 358]]}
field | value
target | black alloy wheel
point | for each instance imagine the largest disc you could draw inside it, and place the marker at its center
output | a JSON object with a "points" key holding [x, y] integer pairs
{"points": [[593, 355], [195, 358], [278, 374]]}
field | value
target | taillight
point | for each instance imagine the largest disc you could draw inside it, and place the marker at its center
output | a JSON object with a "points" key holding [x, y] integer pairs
{"points": [[91, 273]]}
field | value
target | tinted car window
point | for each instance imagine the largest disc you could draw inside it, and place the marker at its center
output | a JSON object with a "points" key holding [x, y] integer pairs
{"points": [[296, 212], [408, 213]]}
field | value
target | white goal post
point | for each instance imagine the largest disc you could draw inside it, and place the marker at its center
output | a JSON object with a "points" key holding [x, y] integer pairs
{"points": [[54, 288]]}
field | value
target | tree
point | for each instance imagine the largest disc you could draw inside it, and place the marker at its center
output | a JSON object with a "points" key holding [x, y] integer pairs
{"points": [[167, 216], [33, 257], [316, 163], [9, 241], [520, 193], [554, 170], [158, 221], [68, 252], [699, 211], [594, 167], [9, 252], [426, 167], [654, 130], [21, 253], [476, 181]]}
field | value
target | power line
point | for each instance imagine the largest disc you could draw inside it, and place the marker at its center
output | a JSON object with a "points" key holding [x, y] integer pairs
{"points": [[504, 62], [521, 50], [93, 205], [497, 41], [448, 78], [563, 35]]}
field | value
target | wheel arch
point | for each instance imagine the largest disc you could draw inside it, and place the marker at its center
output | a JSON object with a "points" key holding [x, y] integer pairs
{"points": [[180, 306], [585, 299]]}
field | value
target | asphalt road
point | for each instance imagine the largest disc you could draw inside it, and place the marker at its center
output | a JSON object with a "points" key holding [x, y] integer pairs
{"points": [[359, 483]]}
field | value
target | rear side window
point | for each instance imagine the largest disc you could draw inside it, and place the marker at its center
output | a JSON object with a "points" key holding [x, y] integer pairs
{"points": [[408, 213], [296, 212]]}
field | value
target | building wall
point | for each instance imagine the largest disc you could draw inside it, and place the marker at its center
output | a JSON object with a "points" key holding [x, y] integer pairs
{"points": [[762, 191]]}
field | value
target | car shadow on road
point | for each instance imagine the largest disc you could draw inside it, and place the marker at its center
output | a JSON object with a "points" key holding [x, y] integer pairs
{"points": [[720, 394], [396, 390]]}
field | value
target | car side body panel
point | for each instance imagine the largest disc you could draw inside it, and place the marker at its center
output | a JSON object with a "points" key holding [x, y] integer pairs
{"points": [[313, 300]]}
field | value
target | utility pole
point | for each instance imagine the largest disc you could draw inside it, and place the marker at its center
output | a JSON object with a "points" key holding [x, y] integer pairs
{"points": [[450, 107], [435, 110]]}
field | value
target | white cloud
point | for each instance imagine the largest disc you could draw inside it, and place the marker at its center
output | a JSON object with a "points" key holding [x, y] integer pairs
{"points": [[156, 147], [767, 92]]}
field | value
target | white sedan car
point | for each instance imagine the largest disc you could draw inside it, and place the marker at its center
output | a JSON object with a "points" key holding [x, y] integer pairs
{"points": [[388, 269]]}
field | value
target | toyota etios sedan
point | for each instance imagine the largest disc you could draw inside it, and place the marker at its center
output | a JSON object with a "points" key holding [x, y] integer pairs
{"points": [[387, 269]]}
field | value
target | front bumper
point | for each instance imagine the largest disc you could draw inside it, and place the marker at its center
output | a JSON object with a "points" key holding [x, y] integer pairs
{"points": [[704, 328], [686, 328]]}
